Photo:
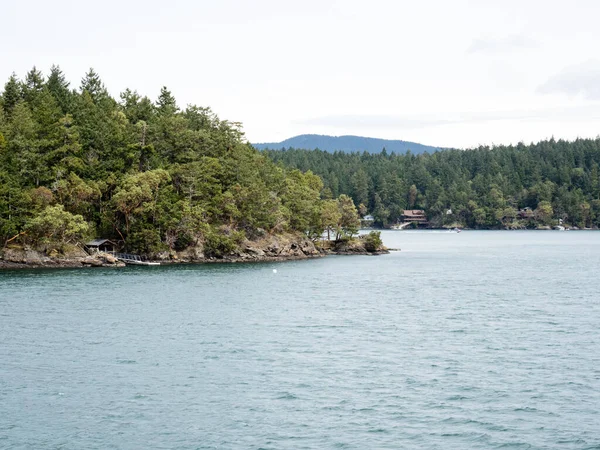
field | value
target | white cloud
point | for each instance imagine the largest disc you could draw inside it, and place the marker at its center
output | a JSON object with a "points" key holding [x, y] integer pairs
{"points": [[503, 44], [466, 74], [580, 79], [412, 122]]}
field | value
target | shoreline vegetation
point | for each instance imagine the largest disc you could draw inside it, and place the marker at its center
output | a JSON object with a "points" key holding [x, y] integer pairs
{"points": [[165, 183], [269, 249]]}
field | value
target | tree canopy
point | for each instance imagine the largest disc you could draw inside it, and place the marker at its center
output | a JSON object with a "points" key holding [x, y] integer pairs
{"points": [[77, 163], [479, 188]]}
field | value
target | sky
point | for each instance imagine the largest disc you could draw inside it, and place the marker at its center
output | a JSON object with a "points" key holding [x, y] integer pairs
{"points": [[450, 74]]}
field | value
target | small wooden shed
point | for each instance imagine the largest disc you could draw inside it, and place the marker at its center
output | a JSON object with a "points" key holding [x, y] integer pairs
{"points": [[101, 245]]}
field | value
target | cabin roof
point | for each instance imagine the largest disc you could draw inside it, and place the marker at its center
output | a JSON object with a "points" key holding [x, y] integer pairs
{"points": [[99, 242]]}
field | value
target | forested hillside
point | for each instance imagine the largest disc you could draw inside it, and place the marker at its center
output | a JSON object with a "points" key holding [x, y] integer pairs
{"points": [[77, 163], [347, 144], [483, 187]]}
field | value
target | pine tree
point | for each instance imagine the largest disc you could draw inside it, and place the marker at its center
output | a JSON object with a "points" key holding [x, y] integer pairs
{"points": [[166, 103], [135, 107], [33, 85], [11, 95], [24, 147], [59, 88], [92, 84]]}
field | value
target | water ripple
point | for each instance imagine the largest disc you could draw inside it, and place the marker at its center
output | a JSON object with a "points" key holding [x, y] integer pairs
{"points": [[478, 340]]}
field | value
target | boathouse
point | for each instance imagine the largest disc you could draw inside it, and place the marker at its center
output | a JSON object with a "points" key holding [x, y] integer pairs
{"points": [[101, 245]]}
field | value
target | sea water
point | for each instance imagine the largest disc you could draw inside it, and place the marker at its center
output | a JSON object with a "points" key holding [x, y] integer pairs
{"points": [[460, 340]]}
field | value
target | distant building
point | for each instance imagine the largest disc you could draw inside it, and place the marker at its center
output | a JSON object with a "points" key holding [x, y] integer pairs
{"points": [[101, 245], [415, 216], [525, 213], [367, 221]]}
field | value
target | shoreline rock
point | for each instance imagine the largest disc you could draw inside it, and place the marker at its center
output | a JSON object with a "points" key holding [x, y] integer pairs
{"points": [[27, 258], [272, 248]]}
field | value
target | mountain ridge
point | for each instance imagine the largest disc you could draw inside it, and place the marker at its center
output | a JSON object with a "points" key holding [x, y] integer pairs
{"points": [[347, 144]]}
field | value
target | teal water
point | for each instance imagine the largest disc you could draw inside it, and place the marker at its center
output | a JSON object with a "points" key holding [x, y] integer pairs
{"points": [[470, 340]]}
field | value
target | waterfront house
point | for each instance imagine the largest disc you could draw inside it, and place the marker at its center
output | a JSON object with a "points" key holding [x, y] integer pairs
{"points": [[367, 221], [101, 245], [415, 216]]}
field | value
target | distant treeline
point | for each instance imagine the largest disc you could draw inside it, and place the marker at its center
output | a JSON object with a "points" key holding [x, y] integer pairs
{"points": [[479, 188], [77, 163]]}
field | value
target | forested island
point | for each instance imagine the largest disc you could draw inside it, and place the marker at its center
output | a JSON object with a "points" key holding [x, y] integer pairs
{"points": [[181, 183], [503, 187], [163, 181]]}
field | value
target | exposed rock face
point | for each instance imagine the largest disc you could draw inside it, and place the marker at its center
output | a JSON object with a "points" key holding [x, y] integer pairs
{"points": [[15, 257], [263, 248], [249, 250], [284, 246], [93, 262], [195, 253], [110, 259], [102, 260], [356, 247]]}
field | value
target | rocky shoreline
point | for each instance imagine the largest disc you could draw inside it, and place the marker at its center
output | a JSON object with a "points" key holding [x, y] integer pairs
{"points": [[27, 258], [268, 249]]}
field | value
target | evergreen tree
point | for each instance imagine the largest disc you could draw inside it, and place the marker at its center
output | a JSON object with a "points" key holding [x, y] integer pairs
{"points": [[92, 84], [33, 85], [135, 107], [12, 94], [166, 104], [58, 86]]}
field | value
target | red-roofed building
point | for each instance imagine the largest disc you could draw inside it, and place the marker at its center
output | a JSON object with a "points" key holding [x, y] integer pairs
{"points": [[415, 216]]}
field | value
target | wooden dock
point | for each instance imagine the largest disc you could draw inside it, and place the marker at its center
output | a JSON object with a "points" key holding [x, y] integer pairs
{"points": [[136, 260]]}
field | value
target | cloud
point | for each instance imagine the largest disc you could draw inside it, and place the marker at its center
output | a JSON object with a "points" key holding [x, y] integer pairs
{"points": [[375, 121], [581, 79], [504, 44], [380, 122]]}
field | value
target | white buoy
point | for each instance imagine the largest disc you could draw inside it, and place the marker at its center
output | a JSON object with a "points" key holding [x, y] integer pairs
{"points": [[274, 270]]}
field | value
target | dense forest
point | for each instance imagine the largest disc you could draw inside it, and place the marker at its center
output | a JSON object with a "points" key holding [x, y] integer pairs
{"points": [[77, 164], [478, 188]]}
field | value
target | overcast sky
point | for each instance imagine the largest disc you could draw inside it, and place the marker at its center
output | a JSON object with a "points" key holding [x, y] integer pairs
{"points": [[452, 74]]}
